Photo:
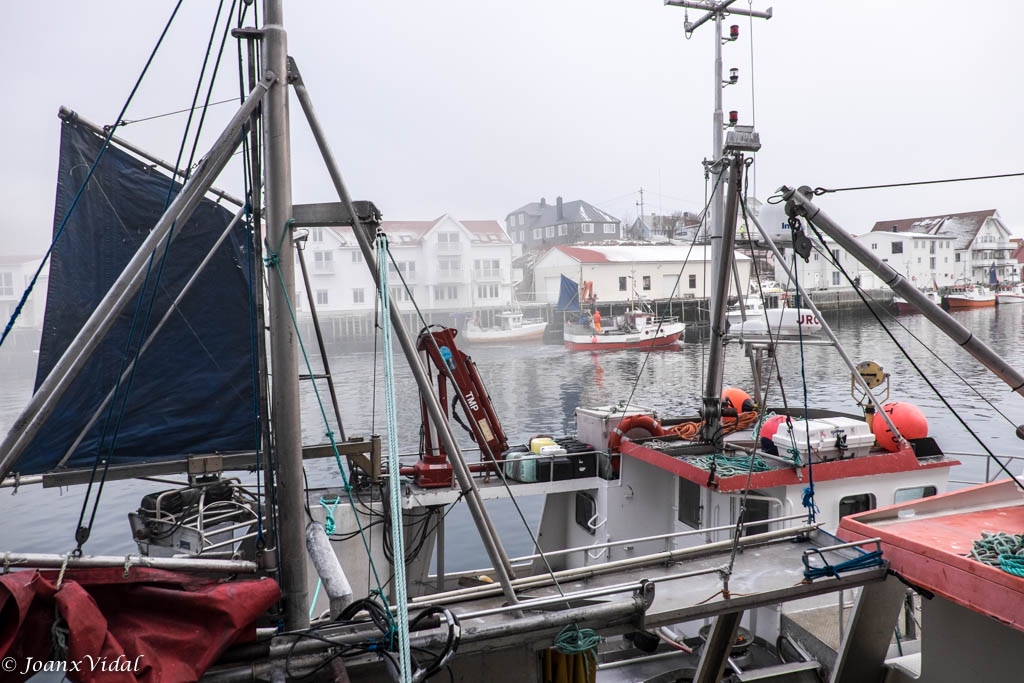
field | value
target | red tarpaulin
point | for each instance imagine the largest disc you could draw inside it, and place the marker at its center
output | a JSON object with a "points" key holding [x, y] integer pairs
{"points": [[155, 626]]}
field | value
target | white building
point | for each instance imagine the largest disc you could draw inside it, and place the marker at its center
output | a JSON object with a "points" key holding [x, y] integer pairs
{"points": [[621, 272], [924, 260], [15, 275], [980, 241], [447, 264]]}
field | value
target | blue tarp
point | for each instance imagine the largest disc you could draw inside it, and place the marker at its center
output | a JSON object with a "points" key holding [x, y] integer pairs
{"points": [[193, 389], [569, 296]]}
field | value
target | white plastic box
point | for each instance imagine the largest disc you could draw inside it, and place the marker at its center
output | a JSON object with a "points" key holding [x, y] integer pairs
{"points": [[830, 438], [595, 425]]}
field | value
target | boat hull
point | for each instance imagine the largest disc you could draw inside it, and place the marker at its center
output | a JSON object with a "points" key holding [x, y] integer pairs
{"points": [[527, 333], [668, 336], [961, 302]]}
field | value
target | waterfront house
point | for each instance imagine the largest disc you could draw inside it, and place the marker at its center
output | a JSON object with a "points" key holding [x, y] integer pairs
{"points": [[621, 273], [539, 225], [980, 240]]}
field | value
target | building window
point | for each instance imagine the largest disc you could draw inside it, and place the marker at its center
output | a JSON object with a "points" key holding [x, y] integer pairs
{"points": [[622, 284], [6, 284], [913, 493], [323, 261], [647, 283], [321, 297], [357, 296], [957, 259], [549, 231], [449, 292], [835, 277], [851, 505], [692, 281], [357, 256], [398, 293], [587, 228], [317, 234], [815, 256], [874, 246], [609, 228], [563, 229], [538, 233], [447, 238], [487, 292], [897, 247]]}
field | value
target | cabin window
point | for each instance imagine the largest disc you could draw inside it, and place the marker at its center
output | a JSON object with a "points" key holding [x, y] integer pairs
{"points": [[757, 509], [321, 297], [689, 503], [693, 281], [647, 282], [851, 505], [586, 510], [622, 284], [913, 493]]}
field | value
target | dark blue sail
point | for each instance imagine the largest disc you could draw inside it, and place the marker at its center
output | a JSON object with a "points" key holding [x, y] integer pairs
{"points": [[568, 296], [192, 391]]}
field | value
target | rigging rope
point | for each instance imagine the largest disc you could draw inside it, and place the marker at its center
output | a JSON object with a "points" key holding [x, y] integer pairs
{"points": [[85, 182], [397, 532], [818, 191], [808, 498]]}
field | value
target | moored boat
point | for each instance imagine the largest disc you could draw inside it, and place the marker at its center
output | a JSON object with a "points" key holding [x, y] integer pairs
{"points": [[904, 307], [968, 296], [509, 328], [631, 330], [1010, 294]]}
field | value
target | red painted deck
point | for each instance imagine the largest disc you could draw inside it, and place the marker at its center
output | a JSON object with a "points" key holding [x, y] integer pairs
{"points": [[929, 549], [881, 463]]}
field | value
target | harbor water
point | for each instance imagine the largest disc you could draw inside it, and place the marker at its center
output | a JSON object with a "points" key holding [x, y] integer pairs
{"points": [[535, 389]]}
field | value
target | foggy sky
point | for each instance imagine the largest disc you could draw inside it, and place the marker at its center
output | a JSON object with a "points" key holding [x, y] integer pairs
{"points": [[475, 108]]}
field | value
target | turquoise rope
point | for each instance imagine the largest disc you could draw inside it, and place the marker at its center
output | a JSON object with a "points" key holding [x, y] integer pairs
{"points": [[397, 531], [272, 259], [329, 526]]}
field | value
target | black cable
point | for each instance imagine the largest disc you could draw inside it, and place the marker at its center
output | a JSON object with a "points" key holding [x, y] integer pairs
{"points": [[913, 364], [818, 191]]}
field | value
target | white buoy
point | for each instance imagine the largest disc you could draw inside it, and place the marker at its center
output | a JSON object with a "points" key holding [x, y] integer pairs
{"points": [[335, 583]]}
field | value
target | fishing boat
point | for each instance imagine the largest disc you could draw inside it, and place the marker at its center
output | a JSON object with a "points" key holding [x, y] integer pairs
{"points": [[670, 547], [968, 295], [752, 318], [903, 307], [509, 326], [1010, 293]]}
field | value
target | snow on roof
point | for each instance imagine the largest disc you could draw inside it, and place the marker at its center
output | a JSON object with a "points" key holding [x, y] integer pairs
{"points": [[641, 254], [405, 232], [962, 227]]}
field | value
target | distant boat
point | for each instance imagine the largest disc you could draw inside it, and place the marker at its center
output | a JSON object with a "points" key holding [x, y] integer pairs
{"points": [[968, 296], [1010, 294], [904, 307], [632, 330], [780, 321], [509, 328]]}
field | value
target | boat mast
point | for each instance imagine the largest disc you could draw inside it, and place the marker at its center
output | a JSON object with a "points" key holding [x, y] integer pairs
{"points": [[284, 361]]}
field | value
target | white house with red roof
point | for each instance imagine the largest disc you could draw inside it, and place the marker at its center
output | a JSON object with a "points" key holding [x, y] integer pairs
{"points": [[622, 273], [980, 240], [446, 264]]}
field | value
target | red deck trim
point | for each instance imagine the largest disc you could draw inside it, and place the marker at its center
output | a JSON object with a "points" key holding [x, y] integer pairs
{"points": [[883, 463], [930, 552]]}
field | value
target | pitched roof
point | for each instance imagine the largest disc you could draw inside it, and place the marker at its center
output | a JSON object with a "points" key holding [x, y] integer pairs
{"points": [[962, 227], [406, 232], [640, 254], [576, 211]]}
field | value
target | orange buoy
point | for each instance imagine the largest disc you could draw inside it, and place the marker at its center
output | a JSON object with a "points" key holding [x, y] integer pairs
{"points": [[768, 429], [739, 399], [907, 418]]}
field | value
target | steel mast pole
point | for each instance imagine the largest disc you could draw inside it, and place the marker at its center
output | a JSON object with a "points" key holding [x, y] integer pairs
{"points": [[284, 362]]}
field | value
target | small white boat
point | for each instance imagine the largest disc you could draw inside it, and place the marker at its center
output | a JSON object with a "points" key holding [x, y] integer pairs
{"points": [[1010, 294], [510, 327], [782, 321], [904, 306]]}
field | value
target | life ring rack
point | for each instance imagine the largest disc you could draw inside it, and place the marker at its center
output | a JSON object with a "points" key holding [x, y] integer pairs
{"points": [[627, 424]]}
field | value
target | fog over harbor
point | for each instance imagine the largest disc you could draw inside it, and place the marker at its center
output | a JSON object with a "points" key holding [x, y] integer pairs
{"points": [[476, 108]]}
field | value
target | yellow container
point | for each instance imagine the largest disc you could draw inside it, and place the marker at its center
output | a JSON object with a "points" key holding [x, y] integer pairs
{"points": [[539, 442]]}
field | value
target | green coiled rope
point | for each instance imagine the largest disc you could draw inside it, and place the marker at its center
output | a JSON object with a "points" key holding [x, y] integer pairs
{"points": [[1002, 550], [730, 465]]}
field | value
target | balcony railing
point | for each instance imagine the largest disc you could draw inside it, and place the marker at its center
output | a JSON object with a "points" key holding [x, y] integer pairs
{"points": [[487, 274], [450, 275]]}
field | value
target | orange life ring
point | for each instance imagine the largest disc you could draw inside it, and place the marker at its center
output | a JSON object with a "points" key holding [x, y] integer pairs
{"points": [[627, 424]]}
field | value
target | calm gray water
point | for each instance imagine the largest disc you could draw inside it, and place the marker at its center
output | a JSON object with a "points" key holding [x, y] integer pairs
{"points": [[535, 389]]}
